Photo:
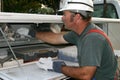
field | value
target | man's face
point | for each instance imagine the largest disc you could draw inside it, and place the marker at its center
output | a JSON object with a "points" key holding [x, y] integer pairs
{"points": [[68, 19]]}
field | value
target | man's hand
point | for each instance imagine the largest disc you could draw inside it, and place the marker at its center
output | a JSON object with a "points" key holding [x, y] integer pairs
{"points": [[57, 65], [49, 65], [56, 28]]}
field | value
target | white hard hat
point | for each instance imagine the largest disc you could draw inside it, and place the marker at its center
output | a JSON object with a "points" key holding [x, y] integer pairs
{"points": [[76, 5]]}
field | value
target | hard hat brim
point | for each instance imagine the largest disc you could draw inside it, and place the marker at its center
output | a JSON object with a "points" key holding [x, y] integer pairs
{"points": [[77, 7]]}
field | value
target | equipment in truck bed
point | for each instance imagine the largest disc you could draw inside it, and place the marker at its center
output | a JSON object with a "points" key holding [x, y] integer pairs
{"points": [[30, 53]]}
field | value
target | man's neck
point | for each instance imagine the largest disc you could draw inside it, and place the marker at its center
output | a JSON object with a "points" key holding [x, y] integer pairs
{"points": [[81, 27]]}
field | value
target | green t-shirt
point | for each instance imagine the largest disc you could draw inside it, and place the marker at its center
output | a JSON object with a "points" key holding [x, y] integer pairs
{"points": [[94, 50]]}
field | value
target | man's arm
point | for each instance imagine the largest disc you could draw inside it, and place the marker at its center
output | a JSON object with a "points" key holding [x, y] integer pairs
{"points": [[50, 37], [55, 36], [81, 73]]}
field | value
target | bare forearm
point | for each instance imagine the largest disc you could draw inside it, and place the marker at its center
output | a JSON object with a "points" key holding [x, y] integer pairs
{"points": [[78, 72], [70, 71], [50, 37]]}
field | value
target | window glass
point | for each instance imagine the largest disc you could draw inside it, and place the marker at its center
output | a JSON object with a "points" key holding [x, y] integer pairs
{"points": [[110, 11]]}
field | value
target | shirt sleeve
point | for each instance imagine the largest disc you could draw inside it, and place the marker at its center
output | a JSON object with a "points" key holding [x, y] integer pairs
{"points": [[91, 51], [71, 37]]}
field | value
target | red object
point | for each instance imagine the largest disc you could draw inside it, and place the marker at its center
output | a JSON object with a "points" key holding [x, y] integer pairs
{"points": [[102, 33]]}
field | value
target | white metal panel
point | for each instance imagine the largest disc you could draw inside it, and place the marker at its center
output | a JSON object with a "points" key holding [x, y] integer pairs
{"points": [[28, 71], [114, 34], [41, 18], [28, 18], [105, 20]]}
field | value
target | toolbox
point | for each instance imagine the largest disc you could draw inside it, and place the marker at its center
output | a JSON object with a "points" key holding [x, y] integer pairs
{"points": [[30, 53]]}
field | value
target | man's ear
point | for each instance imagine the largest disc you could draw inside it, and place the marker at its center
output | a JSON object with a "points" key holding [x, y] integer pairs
{"points": [[78, 16]]}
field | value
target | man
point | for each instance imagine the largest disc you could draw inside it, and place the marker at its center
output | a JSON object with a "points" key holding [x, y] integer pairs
{"points": [[95, 55]]}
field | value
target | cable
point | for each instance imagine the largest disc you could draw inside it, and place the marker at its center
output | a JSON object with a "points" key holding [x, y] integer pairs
{"points": [[19, 65], [10, 47]]}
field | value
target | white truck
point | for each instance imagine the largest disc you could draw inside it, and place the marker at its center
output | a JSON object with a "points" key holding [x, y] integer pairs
{"points": [[30, 71]]}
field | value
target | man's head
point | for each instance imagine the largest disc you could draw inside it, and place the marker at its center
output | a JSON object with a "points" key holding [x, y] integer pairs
{"points": [[77, 13]]}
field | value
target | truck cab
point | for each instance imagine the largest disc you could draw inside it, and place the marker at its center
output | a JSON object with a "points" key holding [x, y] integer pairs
{"points": [[107, 9]]}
